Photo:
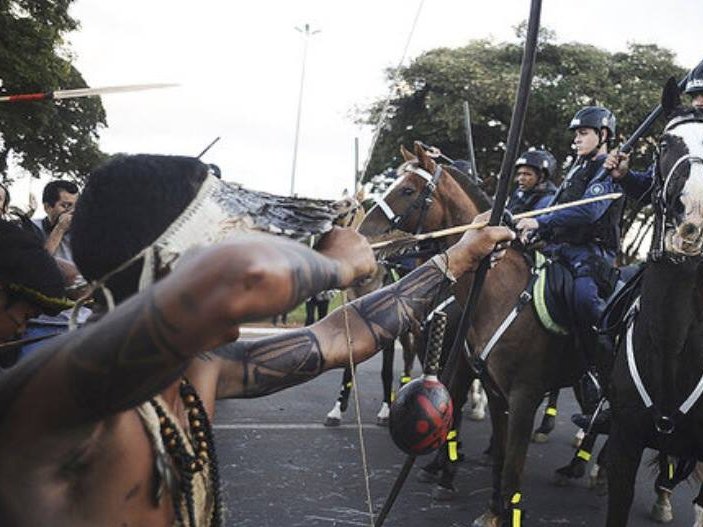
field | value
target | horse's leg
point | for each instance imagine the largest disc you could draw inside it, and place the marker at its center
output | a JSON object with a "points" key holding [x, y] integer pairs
{"points": [[334, 417], [442, 469], [523, 403], [662, 511], [479, 401], [598, 478], [408, 357], [698, 507], [541, 435], [577, 467], [387, 351], [623, 459], [499, 422]]}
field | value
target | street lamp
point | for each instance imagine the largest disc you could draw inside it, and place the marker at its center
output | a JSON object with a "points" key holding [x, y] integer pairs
{"points": [[307, 33]]}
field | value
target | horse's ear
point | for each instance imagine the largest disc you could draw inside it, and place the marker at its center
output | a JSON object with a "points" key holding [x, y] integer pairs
{"points": [[407, 154], [425, 161], [671, 96]]}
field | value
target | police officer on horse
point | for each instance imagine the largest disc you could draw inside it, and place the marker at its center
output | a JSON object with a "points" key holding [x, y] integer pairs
{"points": [[534, 171], [586, 237], [637, 185]]}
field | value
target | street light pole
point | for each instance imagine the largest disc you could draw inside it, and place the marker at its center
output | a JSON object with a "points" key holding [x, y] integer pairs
{"points": [[307, 33]]}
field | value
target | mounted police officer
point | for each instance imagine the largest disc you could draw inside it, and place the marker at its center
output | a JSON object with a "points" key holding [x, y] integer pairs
{"points": [[638, 185], [534, 171], [586, 237]]}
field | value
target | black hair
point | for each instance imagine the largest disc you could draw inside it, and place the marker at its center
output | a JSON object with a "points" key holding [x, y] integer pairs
{"points": [[127, 203], [6, 205], [52, 190], [27, 270]]}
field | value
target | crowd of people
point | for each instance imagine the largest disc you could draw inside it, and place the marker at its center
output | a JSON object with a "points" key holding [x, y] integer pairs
{"points": [[110, 424]]}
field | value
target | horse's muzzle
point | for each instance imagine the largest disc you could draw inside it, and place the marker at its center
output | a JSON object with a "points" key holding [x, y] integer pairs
{"points": [[686, 239]]}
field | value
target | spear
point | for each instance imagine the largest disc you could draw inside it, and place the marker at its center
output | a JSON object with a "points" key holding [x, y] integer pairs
{"points": [[81, 92], [458, 229]]}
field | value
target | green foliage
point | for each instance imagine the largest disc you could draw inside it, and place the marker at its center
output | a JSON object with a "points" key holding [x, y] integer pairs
{"points": [[56, 136], [428, 102]]}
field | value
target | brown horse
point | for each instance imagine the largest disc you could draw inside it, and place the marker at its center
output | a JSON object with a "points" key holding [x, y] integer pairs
{"points": [[427, 196]]}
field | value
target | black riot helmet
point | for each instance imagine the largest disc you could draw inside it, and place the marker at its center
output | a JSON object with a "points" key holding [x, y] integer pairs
{"points": [[541, 160], [594, 117], [694, 81]]}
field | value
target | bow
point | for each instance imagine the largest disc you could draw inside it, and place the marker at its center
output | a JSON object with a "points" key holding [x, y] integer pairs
{"points": [[514, 134]]}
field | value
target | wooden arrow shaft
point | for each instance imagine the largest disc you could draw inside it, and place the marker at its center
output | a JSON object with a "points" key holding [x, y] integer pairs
{"points": [[530, 214]]}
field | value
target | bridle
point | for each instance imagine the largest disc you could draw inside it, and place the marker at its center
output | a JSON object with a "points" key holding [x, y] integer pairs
{"points": [[664, 215], [422, 202]]}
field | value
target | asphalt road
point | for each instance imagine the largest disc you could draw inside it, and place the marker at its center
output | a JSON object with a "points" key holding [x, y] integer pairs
{"points": [[281, 467]]}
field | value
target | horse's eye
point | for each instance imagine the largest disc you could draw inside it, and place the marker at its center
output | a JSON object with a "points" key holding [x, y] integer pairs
{"points": [[408, 191]]}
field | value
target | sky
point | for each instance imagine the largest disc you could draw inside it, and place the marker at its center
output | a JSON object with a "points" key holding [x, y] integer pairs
{"points": [[239, 65]]}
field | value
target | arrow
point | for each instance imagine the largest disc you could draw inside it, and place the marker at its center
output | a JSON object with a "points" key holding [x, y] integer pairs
{"points": [[458, 229], [82, 92]]}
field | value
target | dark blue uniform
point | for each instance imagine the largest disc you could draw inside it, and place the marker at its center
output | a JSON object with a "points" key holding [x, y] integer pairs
{"points": [[638, 185], [538, 197], [584, 236]]}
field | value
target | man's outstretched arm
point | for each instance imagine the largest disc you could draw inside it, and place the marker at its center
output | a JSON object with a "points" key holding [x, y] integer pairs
{"points": [[146, 343], [263, 366]]}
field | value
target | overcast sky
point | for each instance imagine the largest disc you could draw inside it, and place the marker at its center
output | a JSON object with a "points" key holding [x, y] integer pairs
{"points": [[239, 65]]}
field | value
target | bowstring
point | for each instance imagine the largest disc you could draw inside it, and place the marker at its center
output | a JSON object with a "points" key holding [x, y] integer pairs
{"points": [[374, 140], [357, 406]]}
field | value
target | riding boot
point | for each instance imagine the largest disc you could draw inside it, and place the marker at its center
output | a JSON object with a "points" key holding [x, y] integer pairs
{"points": [[600, 424]]}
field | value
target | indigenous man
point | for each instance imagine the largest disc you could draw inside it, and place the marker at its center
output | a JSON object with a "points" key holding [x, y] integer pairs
{"points": [[109, 425]]}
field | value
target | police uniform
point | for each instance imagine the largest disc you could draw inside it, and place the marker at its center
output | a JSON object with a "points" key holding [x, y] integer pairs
{"points": [[586, 236], [638, 185], [538, 197]]}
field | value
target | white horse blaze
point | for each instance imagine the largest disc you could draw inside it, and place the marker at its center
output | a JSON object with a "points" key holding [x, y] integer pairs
{"points": [[685, 238]]}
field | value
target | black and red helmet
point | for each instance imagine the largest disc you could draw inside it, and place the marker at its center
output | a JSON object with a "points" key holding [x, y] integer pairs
{"points": [[421, 416]]}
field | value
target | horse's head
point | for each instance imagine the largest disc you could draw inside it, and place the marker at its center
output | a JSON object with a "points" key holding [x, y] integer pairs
{"points": [[680, 174], [421, 198]]}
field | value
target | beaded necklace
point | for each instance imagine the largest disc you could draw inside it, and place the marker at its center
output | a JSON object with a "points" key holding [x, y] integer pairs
{"points": [[199, 458]]}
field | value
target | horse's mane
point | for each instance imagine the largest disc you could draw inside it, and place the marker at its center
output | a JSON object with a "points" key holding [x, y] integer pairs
{"points": [[471, 188], [687, 111]]}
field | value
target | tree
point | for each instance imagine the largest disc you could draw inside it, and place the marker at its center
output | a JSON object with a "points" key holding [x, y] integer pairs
{"points": [[55, 136], [428, 103]]}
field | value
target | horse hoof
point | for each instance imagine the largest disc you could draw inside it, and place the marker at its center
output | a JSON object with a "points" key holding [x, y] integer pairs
{"points": [[560, 480], [576, 443], [572, 471], [442, 493], [600, 486], [383, 415], [334, 417], [487, 519], [662, 512], [425, 476], [477, 415], [540, 437]]}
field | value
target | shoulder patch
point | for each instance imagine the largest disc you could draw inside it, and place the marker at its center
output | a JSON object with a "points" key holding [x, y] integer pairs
{"points": [[597, 189]]}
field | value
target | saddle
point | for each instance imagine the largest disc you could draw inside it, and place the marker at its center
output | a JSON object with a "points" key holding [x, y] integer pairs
{"points": [[613, 319], [552, 295]]}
